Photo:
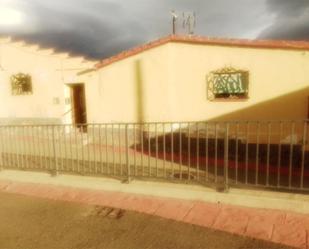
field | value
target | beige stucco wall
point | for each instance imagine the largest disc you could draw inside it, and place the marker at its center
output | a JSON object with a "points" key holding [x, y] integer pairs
{"points": [[172, 79], [131, 90], [49, 71]]}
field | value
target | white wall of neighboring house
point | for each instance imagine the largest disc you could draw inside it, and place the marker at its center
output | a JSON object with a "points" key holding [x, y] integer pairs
{"points": [[50, 72]]}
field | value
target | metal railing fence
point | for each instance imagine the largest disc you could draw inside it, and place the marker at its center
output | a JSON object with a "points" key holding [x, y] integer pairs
{"points": [[271, 154]]}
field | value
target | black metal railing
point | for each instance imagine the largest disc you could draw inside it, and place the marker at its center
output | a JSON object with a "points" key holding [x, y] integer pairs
{"points": [[268, 154]]}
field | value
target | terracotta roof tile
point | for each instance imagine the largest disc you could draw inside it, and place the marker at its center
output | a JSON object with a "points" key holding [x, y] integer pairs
{"points": [[269, 44]]}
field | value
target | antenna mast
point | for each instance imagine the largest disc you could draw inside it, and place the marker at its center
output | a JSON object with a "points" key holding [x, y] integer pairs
{"points": [[174, 17], [188, 22]]}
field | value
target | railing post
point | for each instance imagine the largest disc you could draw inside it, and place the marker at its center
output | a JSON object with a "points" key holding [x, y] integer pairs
{"points": [[127, 154], [1, 150], [55, 171], [226, 157]]}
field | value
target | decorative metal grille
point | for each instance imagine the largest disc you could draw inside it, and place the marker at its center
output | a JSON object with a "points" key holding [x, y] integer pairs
{"points": [[21, 84], [228, 83]]}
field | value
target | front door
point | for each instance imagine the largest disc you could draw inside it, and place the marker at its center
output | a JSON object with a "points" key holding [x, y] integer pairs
{"points": [[78, 97]]}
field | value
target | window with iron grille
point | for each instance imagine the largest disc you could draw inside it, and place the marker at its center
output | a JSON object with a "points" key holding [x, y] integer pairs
{"points": [[228, 83], [21, 84]]}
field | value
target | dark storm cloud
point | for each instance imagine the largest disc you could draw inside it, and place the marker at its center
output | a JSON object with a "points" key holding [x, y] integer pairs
{"points": [[100, 28], [292, 20]]}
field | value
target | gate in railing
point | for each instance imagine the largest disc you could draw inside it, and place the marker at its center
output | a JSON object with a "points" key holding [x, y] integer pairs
{"points": [[272, 154]]}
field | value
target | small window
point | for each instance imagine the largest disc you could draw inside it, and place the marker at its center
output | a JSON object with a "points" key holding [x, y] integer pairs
{"points": [[228, 83], [21, 84]]}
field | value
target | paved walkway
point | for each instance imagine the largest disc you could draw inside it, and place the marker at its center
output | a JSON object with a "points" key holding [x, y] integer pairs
{"points": [[283, 227]]}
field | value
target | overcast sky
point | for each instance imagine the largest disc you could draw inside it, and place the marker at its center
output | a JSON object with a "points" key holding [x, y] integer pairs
{"points": [[101, 28]]}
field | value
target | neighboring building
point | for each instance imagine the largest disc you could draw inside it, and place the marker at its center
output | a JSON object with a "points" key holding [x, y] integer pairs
{"points": [[36, 83], [191, 78]]}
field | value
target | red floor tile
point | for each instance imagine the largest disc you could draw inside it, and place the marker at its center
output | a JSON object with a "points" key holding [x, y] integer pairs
{"points": [[174, 209], [203, 214], [232, 219], [290, 235], [259, 230]]}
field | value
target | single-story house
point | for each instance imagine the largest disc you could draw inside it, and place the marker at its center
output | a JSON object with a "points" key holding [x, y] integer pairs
{"points": [[176, 78], [192, 78], [36, 83]]}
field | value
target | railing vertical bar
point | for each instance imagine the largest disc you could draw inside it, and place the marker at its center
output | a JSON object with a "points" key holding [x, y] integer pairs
{"points": [[20, 147], [59, 148], [17, 147], [30, 141], [2, 142], [88, 148], [247, 151], [164, 150], [36, 148], [172, 149], [135, 140], [180, 152], [207, 152], [31, 147], [142, 148], [257, 153], [100, 149], [119, 147], [12, 142], [106, 150], [156, 141], [226, 156], [46, 148], [113, 146], [149, 151], [7, 139], [8, 147], [40, 145], [70, 133], [77, 149], [127, 153], [291, 154], [236, 152], [268, 152], [216, 152], [29, 166], [189, 151], [27, 146], [82, 146], [279, 155], [96, 146], [65, 159], [54, 150], [303, 155], [2, 166], [197, 151]]}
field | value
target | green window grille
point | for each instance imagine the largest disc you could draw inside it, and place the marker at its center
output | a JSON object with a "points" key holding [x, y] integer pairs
{"points": [[228, 83]]}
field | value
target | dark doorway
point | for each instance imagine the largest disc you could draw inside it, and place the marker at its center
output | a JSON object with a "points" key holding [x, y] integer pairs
{"points": [[79, 114]]}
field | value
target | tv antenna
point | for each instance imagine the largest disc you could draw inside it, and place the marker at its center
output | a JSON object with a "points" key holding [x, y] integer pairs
{"points": [[174, 18], [188, 20]]}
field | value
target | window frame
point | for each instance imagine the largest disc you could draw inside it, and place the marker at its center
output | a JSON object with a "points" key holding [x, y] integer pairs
{"points": [[21, 84], [228, 78]]}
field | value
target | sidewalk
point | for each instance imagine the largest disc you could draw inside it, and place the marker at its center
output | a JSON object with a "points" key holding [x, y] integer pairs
{"points": [[280, 226]]}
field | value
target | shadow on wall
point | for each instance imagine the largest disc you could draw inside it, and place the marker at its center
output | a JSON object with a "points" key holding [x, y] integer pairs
{"points": [[294, 105]]}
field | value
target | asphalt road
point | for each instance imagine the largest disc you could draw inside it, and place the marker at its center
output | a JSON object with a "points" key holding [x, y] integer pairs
{"points": [[32, 223]]}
